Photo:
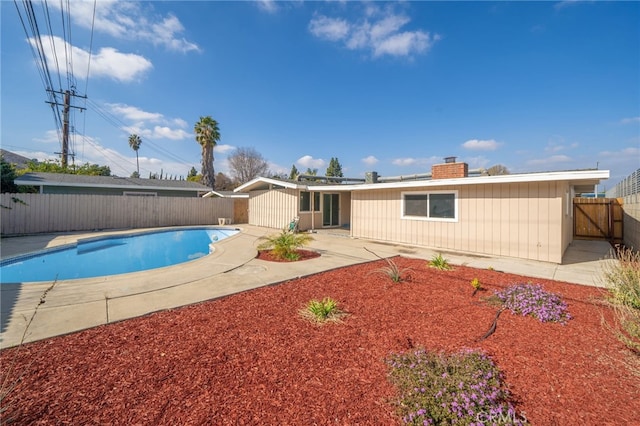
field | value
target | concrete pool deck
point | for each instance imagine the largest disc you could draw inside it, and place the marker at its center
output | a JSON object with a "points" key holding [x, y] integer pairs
{"points": [[75, 305]]}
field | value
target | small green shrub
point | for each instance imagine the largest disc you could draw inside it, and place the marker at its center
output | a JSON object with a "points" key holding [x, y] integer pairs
{"points": [[439, 262], [285, 244], [440, 389], [321, 311]]}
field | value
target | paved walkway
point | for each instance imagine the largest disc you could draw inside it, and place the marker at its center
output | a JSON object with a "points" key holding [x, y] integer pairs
{"points": [[79, 304]]}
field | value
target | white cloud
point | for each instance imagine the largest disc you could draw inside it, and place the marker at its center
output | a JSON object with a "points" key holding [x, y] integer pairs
{"points": [[566, 3], [329, 28], [310, 162], [180, 122], [164, 132], [481, 145], [479, 162], [554, 159], [133, 113], [630, 152], [630, 120], [107, 62], [50, 136], [224, 148], [370, 160], [131, 21], [404, 161], [267, 5], [163, 128], [379, 32]]}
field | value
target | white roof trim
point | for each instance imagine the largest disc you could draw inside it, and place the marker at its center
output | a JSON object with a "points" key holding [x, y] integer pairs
{"points": [[218, 194], [255, 182], [573, 176]]}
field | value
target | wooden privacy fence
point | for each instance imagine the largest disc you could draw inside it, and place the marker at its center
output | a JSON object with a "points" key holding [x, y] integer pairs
{"points": [[41, 213], [598, 218]]}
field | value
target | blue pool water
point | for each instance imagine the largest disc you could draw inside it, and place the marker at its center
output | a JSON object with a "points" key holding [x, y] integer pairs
{"points": [[114, 255]]}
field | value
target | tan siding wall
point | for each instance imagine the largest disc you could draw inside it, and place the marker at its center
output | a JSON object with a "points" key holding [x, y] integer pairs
{"points": [[522, 220], [273, 208], [40, 213]]}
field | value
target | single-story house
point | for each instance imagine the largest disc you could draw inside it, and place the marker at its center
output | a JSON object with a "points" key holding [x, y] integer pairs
{"points": [[59, 183], [527, 216]]}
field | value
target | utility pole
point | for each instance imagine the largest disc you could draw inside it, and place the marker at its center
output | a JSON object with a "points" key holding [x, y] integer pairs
{"points": [[66, 106], [65, 130]]}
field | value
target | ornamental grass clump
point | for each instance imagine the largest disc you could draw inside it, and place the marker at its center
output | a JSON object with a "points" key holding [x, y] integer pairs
{"points": [[622, 278], [285, 245], [463, 388], [393, 271], [533, 300]]}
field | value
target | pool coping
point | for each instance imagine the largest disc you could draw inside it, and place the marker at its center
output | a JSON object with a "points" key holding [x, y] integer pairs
{"points": [[75, 305]]}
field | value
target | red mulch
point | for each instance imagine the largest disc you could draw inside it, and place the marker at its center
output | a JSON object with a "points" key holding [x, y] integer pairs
{"points": [[304, 255], [250, 359]]}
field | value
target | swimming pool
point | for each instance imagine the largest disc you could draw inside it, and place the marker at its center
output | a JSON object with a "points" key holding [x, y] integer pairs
{"points": [[113, 255]]}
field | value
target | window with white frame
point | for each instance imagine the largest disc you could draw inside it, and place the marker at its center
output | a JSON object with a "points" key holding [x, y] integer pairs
{"points": [[305, 201], [435, 205]]}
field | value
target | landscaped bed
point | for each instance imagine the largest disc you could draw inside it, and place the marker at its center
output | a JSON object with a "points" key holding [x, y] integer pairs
{"points": [[252, 359]]}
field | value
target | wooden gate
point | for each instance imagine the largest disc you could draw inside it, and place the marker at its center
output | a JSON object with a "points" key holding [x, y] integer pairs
{"points": [[597, 218]]}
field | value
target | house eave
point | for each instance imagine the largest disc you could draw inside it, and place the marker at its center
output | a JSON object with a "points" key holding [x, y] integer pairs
{"points": [[261, 182], [582, 177]]}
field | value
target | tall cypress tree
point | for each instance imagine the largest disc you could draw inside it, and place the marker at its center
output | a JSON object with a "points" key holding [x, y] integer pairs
{"points": [[334, 169]]}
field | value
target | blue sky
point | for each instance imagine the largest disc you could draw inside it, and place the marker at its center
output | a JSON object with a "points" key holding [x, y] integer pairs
{"points": [[387, 86]]}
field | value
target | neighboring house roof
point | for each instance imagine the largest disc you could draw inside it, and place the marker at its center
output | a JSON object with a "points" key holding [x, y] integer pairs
{"points": [[18, 160], [69, 180], [584, 180], [224, 194]]}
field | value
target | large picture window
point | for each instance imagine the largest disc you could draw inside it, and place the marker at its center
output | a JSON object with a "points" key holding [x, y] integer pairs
{"points": [[305, 201], [437, 205]]}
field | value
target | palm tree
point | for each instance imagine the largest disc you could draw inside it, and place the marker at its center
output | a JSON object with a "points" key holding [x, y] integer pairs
{"points": [[207, 135], [134, 143]]}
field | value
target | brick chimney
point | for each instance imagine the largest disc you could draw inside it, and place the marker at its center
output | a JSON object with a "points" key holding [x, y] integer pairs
{"points": [[450, 169]]}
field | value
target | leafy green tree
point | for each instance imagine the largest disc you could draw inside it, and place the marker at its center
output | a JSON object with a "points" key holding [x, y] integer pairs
{"points": [[192, 173], [294, 172], [207, 135], [135, 175], [93, 170], [311, 172], [49, 166], [334, 169], [134, 143], [8, 172]]}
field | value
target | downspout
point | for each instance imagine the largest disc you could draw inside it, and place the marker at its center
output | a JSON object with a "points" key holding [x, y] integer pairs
{"points": [[313, 211]]}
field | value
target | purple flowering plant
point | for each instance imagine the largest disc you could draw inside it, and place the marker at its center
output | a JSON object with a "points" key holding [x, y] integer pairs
{"points": [[533, 300], [464, 388]]}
